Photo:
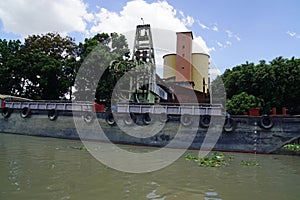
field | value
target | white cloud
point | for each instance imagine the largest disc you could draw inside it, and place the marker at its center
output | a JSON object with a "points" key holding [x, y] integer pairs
{"points": [[215, 28], [187, 20], [293, 34], [203, 26], [160, 15], [66, 16], [228, 43], [220, 44], [199, 46], [24, 17], [211, 49], [224, 45], [230, 34]]}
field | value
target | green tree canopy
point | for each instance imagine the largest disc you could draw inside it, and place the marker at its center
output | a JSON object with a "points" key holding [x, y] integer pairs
{"points": [[45, 66], [9, 73], [96, 55], [241, 103], [276, 83]]}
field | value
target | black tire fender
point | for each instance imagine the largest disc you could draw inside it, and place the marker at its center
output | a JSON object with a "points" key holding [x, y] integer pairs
{"points": [[6, 112], [204, 121], [130, 119], [109, 118], [163, 117], [266, 122], [147, 118], [25, 112], [186, 119], [229, 125], [52, 114], [88, 117]]}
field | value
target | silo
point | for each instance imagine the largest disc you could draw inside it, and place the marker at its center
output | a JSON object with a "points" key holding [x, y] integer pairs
{"points": [[169, 66], [190, 60], [200, 63]]}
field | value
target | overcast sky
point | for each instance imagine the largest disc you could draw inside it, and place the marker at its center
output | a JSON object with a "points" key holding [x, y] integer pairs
{"points": [[231, 31]]}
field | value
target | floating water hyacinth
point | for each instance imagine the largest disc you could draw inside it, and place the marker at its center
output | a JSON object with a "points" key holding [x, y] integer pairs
{"points": [[216, 160], [249, 163]]}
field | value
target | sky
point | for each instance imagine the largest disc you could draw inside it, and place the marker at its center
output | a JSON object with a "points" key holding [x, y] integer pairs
{"points": [[232, 32]]}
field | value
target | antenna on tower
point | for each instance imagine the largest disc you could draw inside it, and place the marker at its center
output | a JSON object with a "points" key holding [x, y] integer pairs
{"points": [[143, 20]]}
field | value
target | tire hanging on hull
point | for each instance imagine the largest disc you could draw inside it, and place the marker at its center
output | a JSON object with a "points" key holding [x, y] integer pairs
{"points": [[130, 119], [229, 125], [109, 118], [163, 117], [186, 120], [6, 112], [147, 119], [52, 114], [266, 122], [204, 121], [88, 117], [25, 112]]}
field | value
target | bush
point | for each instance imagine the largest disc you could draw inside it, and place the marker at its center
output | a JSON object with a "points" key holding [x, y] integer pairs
{"points": [[241, 103]]}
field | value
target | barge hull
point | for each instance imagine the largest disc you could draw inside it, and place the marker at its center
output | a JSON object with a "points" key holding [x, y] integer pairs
{"points": [[245, 136]]}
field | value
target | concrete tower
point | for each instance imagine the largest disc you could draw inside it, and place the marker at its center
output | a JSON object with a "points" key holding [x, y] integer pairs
{"points": [[184, 56]]}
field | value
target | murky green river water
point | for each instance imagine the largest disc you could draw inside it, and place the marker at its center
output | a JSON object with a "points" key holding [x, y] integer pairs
{"points": [[47, 168]]}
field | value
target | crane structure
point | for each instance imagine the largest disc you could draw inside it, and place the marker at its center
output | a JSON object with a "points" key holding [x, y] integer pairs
{"points": [[142, 87]]}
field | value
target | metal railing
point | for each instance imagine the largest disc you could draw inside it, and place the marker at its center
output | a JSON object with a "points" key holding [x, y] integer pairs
{"points": [[170, 109], [201, 109], [48, 105]]}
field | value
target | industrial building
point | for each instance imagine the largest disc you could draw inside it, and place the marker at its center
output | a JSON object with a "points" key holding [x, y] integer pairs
{"points": [[187, 67]]}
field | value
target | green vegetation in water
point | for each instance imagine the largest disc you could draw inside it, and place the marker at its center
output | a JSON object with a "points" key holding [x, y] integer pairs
{"points": [[249, 163], [292, 147], [216, 160]]}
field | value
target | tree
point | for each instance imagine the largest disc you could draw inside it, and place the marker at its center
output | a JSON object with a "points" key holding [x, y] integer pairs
{"points": [[96, 55], [241, 103], [48, 66], [9, 70], [277, 83]]}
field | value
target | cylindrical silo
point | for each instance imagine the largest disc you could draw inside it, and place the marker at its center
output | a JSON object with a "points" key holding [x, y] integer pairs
{"points": [[200, 63], [169, 66]]}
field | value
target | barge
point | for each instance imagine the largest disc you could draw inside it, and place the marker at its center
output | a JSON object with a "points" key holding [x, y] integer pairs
{"points": [[150, 125]]}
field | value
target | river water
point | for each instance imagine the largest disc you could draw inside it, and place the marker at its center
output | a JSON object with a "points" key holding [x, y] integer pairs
{"points": [[48, 168]]}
